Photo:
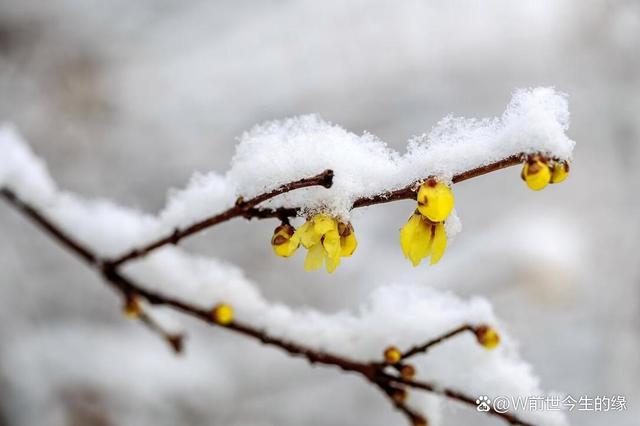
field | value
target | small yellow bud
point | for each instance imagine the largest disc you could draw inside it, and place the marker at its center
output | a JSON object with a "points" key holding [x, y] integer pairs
{"points": [[407, 372], [536, 173], [560, 171], [348, 242], [487, 337], [283, 243], [222, 314], [435, 200], [392, 355], [131, 308]]}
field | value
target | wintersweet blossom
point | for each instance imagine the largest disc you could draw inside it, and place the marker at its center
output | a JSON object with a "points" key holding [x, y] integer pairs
{"points": [[488, 337], [222, 314], [326, 238], [435, 200], [538, 172], [560, 171], [424, 235], [282, 242]]}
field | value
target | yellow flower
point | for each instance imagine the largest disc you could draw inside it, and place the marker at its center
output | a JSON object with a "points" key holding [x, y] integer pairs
{"points": [[560, 171], [327, 241], [487, 337], [282, 242], [392, 355], [536, 173], [420, 238], [435, 200], [222, 314]]}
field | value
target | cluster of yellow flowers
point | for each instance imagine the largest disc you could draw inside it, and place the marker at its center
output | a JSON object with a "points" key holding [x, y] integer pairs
{"points": [[538, 172], [328, 239]]}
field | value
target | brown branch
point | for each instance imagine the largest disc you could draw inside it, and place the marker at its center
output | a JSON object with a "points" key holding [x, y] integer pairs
{"points": [[460, 397], [248, 209], [374, 372], [240, 209], [406, 193], [426, 346]]}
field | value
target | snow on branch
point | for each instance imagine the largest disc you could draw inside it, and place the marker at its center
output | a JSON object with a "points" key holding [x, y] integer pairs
{"points": [[305, 166]]}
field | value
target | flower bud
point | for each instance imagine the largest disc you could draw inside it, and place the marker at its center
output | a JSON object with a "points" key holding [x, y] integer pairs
{"points": [[487, 336], [399, 396], [131, 308], [282, 242], [560, 171], [435, 200], [407, 372], [392, 355], [536, 173], [222, 314]]}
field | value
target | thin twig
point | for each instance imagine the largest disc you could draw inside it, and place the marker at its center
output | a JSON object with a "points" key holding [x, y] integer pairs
{"points": [[426, 346], [241, 208], [460, 397], [404, 193], [248, 209], [372, 371], [175, 340]]}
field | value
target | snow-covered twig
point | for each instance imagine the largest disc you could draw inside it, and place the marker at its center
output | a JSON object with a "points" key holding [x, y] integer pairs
{"points": [[242, 208], [393, 385], [248, 209]]}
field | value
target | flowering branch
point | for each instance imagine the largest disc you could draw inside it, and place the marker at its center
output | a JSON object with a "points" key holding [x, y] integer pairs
{"points": [[241, 208], [249, 210], [392, 383]]}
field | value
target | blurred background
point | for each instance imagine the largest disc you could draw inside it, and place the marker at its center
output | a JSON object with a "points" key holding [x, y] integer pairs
{"points": [[126, 99]]}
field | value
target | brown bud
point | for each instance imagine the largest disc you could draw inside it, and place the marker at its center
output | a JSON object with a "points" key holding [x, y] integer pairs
{"points": [[399, 395], [407, 371]]}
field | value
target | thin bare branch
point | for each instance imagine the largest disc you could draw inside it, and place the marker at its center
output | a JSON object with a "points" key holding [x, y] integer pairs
{"points": [[429, 344], [460, 397], [406, 193], [238, 210], [174, 340]]}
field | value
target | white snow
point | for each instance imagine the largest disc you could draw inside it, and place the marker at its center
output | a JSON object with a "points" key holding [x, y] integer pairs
{"points": [[278, 152], [281, 151]]}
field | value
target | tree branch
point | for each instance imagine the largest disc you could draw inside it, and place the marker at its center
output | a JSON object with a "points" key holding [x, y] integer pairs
{"points": [[248, 209], [405, 193], [374, 372], [426, 346], [240, 209]]}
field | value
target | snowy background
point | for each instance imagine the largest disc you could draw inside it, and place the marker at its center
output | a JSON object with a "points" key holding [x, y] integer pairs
{"points": [[125, 101]]}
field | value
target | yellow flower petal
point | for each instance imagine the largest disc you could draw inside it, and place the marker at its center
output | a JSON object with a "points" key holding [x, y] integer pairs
{"points": [[439, 243], [435, 200], [283, 242], [560, 172], [536, 174], [315, 257], [323, 224], [415, 239], [332, 263], [331, 243], [308, 236], [348, 245]]}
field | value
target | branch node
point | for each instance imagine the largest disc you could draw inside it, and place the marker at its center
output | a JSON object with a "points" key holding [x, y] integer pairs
{"points": [[327, 178]]}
